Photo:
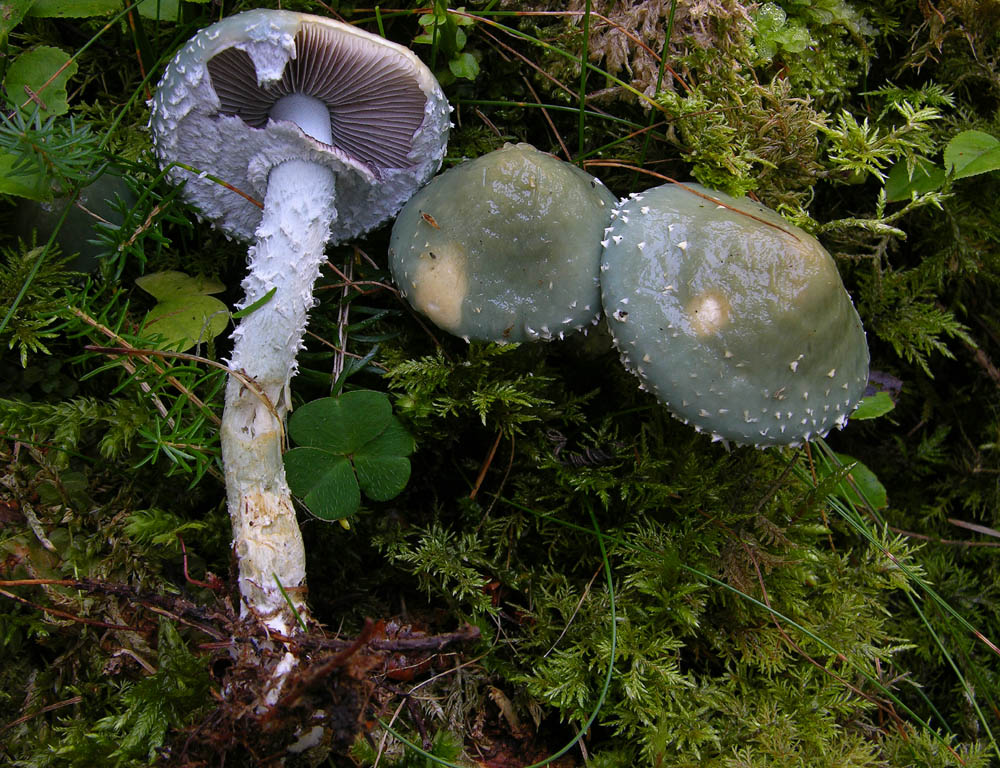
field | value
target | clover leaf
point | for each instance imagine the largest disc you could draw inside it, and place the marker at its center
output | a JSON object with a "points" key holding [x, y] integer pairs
{"points": [[347, 445]]}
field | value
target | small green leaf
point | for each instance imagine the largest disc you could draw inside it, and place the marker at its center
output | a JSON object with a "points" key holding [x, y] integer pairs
{"points": [[160, 10], [394, 440], [774, 32], [341, 424], [36, 70], [902, 185], [873, 406], [464, 65], [171, 284], [74, 9], [349, 444], [11, 13], [872, 491], [324, 481], [971, 153], [251, 308], [187, 320], [382, 477], [185, 314], [23, 184], [163, 10]]}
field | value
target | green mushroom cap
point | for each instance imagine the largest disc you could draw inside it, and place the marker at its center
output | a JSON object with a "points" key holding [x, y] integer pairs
{"points": [[737, 320], [505, 247]]}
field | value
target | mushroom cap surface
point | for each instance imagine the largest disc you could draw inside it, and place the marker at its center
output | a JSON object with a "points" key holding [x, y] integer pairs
{"points": [[505, 247], [739, 323], [389, 117]]}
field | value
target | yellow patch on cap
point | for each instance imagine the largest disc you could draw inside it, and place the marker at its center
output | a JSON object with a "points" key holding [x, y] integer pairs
{"points": [[440, 284], [708, 313]]}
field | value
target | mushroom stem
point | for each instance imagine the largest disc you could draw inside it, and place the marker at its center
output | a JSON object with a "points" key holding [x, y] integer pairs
{"points": [[285, 258]]}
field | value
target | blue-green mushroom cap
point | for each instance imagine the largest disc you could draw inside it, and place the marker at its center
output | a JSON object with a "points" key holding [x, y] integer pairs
{"points": [[735, 319], [506, 247]]}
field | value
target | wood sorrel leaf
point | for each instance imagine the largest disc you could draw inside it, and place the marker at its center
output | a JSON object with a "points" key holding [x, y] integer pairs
{"points": [[347, 445]]}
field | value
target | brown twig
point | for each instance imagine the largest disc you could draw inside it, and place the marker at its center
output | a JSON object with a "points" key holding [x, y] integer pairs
{"points": [[627, 32], [50, 708], [503, 482], [130, 15], [34, 97], [320, 672], [334, 347], [489, 123], [548, 120], [510, 49], [144, 355], [173, 607], [983, 361], [484, 468], [141, 228], [936, 540], [65, 614], [214, 586]]}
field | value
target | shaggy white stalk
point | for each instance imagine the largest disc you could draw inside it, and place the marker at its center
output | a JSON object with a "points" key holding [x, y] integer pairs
{"points": [[286, 257], [391, 121]]}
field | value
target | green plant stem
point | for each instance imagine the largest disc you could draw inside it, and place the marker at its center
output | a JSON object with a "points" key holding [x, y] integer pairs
{"points": [[667, 34], [582, 97]]}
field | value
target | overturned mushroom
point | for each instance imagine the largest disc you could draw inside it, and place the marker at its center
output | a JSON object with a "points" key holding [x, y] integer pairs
{"points": [[505, 247], [737, 320], [333, 129]]}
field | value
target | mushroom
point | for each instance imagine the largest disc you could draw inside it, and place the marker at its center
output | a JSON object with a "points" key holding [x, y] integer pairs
{"points": [[333, 129], [505, 247], [737, 320]]}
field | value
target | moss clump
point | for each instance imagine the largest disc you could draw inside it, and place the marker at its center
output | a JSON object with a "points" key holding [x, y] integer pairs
{"points": [[763, 615]]}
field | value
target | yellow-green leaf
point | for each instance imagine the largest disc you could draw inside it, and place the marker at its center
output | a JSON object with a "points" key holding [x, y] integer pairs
{"points": [[171, 284], [11, 13], [971, 153], [74, 9], [186, 321], [44, 71], [30, 185], [873, 406]]}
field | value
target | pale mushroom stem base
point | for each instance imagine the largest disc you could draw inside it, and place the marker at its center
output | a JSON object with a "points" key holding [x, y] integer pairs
{"points": [[286, 258]]}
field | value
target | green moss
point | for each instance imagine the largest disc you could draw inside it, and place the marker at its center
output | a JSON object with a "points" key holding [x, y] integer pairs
{"points": [[758, 621]]}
